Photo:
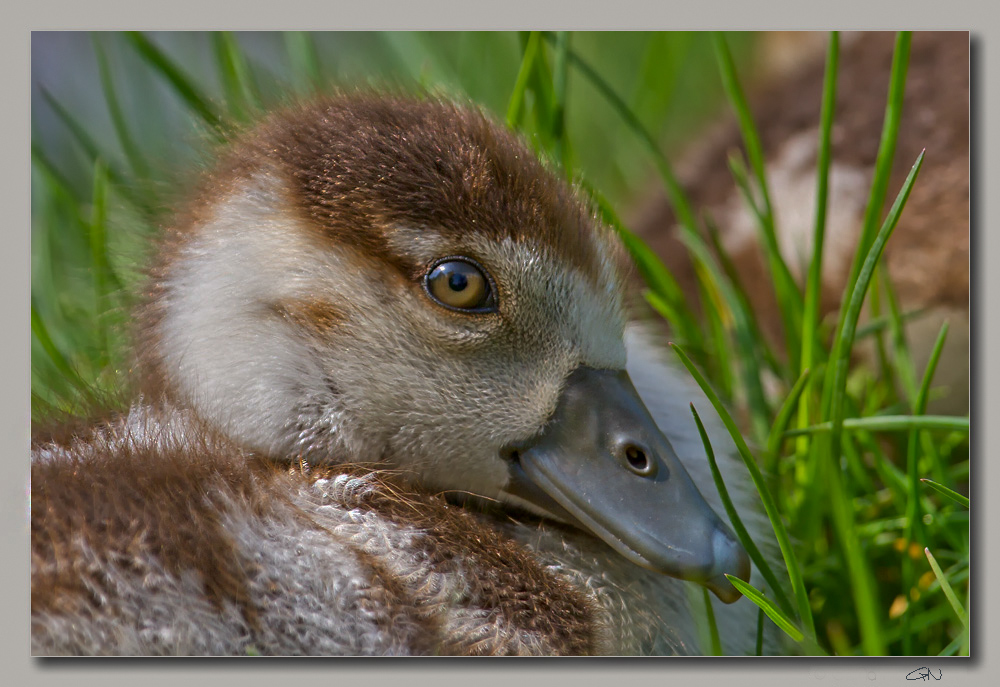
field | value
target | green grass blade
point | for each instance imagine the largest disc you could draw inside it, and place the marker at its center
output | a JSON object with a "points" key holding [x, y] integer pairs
{"points": [[949, 493], [185, 88], [92, 151], [810, 314], [887, 147], [41, 333], [946, 588], [784, 543], [136, 160], [234, 73], [747, 343], [784, 416], [731, 273], [515, 104], [768, 606], [840, 360], [759, 647], [654, 273], [881, 323], [678, 199], [734, 517], [304, 59], [786, 291], [902, 359], [915, 527], [713, 628], [560, 70], [888, 423]]}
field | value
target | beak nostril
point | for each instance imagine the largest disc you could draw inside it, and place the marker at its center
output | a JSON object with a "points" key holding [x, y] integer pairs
{"points": [[639, 462]]}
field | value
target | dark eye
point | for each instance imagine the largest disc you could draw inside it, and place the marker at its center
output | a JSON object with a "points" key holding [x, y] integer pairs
{"points": [[460, 284]]}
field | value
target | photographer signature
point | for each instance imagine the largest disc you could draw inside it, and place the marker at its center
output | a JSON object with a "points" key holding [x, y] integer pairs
{"points": [[923, 674]]}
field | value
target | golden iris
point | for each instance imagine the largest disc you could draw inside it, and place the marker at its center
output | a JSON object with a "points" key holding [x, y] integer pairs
{"points": [[459, 284]]}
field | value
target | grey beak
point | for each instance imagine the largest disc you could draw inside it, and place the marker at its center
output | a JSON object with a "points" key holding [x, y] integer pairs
{"points": [[603, 461]]}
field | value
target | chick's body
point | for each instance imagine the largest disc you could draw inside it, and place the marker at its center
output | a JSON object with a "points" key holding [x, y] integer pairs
{"points": [[315, 404]]}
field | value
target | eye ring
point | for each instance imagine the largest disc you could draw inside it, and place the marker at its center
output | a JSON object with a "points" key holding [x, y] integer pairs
{"points": [[460, 284]]}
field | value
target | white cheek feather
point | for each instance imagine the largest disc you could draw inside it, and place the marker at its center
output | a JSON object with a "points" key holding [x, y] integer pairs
{"points": [[237, 363]]}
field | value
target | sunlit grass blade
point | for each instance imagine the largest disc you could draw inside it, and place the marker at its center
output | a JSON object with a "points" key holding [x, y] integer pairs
{"points": [[786, 290], [811, 348], [888, 423], [810, 313], [834, 390], [560, 69], [748, 345], [768, 606], [734, 517], [946, 588], [945, 491], [740, 291], [189, 93], [784, 416], [718, 359], [784, 543], [515, 104], [887, 148]]}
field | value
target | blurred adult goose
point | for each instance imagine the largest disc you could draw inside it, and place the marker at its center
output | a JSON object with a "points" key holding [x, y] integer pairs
{"points": [[392, 406]]}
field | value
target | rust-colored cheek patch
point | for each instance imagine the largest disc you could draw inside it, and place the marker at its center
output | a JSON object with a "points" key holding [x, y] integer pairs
{"points": [[312, 315]]}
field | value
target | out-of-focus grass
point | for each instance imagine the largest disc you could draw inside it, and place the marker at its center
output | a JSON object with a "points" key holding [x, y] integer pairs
{"points": [[857, 482]]}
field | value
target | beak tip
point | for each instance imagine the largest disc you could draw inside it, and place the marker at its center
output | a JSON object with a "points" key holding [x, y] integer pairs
{"points": [[729, 558]]}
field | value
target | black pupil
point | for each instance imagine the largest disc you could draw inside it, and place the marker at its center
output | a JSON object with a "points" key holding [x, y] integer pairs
{"points": [[637, 458], [457, 281]]}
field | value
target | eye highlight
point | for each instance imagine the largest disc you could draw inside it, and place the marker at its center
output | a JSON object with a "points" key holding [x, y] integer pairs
{"points": [[460, 284]]}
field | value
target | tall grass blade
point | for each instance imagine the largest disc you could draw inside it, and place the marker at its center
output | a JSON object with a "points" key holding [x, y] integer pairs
{"points": [[136, 160], [304, 58], [946, 588], [887, 148], [715, 644], [734, 517], [834, 393], [784, 416], [515, 104], [560, 70], [786, 291], [914, 528], [766, 605], [185, 88], [946, 492], [837, 372], [811, 305], [888, 423], [234, 73], [784, 543]]}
